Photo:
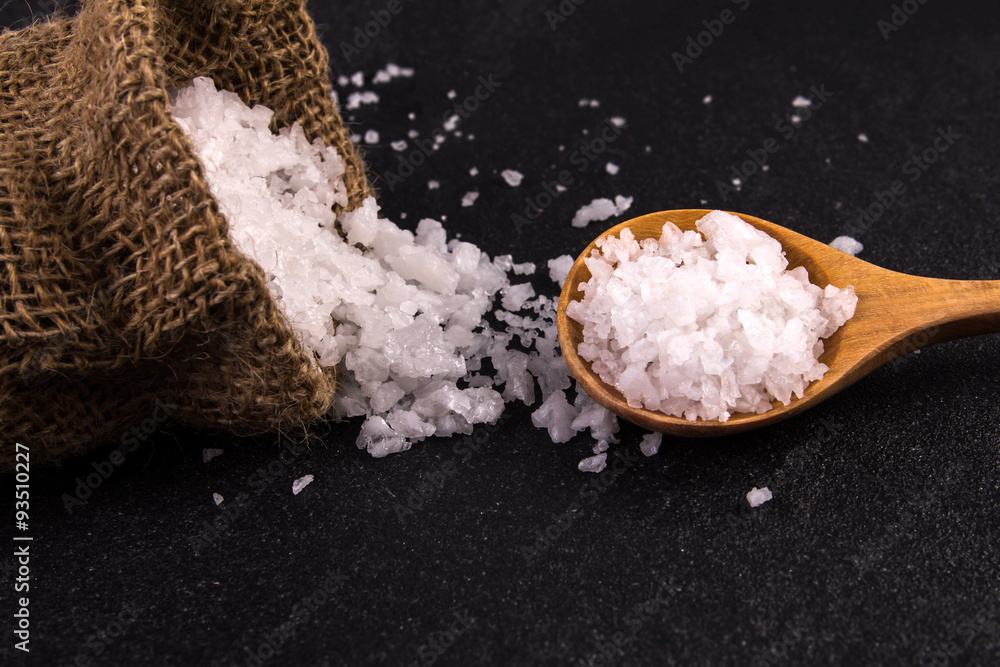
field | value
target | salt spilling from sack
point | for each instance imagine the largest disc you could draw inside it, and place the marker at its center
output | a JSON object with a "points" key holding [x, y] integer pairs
{"points": [[704, 327], [402, 314]]}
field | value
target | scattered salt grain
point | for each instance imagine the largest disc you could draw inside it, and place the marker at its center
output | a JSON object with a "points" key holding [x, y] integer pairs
{"points": [[433, 185], [411, 116], [801, 102], [451, 122], [512, 177], [301, 483], [611, 168], [356, 138], [371, 137], [601, 209], [469, 198], [392, 71], [559, 268], [757, 497], [589, 103], [217, 497], [399, 146], [357, 98], [863, 138], [210, 453], [617, 121], [707, 99], [847, 244], [701, 327], [451, 94], [474, 171], [413, 134], [524, 269], [358, 79], [595, 463], [796, 119], [650, 444], [343, 81]]}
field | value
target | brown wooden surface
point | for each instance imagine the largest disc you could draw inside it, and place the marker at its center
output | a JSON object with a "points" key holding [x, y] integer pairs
{"points": [[896, 314]]}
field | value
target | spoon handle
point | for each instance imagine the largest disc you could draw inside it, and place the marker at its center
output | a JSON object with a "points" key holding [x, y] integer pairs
{"points": [[917, 312]]}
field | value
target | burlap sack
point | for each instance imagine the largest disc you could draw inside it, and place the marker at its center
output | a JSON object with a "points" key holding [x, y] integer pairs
{"points": [[124, 301]]}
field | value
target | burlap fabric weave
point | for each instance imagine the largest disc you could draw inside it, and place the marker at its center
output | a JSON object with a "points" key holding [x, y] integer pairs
{"points": [[123, 299]]}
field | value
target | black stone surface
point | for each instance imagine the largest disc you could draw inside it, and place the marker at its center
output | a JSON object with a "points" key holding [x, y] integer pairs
{"points": [[881, 543]]}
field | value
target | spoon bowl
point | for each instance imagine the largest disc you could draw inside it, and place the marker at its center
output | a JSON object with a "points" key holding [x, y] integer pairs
{"points": [[897, 313]]}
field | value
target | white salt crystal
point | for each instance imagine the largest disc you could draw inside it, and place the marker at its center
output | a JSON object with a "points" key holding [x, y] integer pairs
{"points": [[398, 146], [451, 94], [469, 198], [217, 497], [301, 483], [589, 103], [847, 244], [433, 185], [512, 177], [650, 444], [473, 172], [863, 138], [796, 119], [451, 122], [342, 80], [801, 102], [358, 79], [617, 121], [707, 99], [412, 134], [357, 98], [611, 168], [559, 268], [595, 463], [524, 268], [757, 497], [601, 209], [210, 453], [371, 137]]}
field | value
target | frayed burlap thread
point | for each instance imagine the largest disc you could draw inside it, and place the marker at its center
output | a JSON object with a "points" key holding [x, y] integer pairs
{"points": [[123, 298]]}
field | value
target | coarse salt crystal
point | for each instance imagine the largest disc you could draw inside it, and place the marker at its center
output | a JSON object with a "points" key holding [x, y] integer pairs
{"points": [[512, 177], [301, 483], [757, 497], [469, 198]]}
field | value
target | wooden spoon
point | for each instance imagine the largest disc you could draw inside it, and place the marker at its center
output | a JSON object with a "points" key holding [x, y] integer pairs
{"points": [[896, 314]]}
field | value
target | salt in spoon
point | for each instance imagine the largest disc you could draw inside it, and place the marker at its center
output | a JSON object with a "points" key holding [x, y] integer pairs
{"points": [[896, 314]]}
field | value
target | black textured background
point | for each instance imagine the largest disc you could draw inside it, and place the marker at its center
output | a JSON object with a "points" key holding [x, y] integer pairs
{"points": [[881, 543]]}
